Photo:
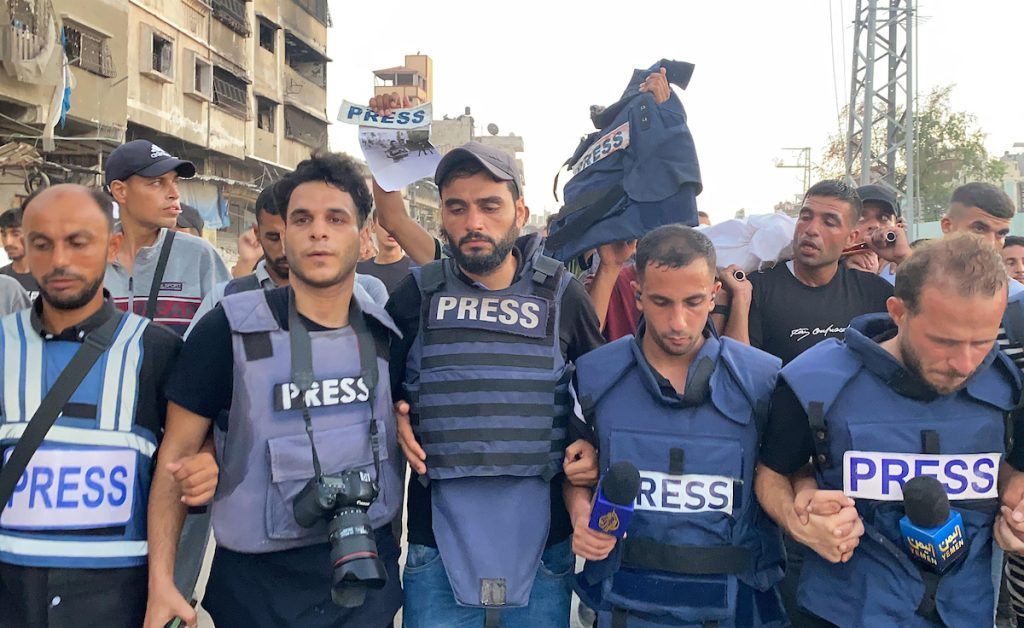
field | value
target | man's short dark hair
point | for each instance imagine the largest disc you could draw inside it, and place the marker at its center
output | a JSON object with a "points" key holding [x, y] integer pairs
{"points": [[834, 188], [673, 246], [986, 197], [334, 169], [11, 219], [703, 214], [1010, 241], [470, 167], [961, 262], [266, 202]]}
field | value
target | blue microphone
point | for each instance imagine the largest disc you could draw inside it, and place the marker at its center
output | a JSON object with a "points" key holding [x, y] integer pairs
{"points": [[933, 535], [613, 505]]}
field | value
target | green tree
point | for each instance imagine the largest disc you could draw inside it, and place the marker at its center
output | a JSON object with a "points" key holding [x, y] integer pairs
{"points": [[949, 150]]}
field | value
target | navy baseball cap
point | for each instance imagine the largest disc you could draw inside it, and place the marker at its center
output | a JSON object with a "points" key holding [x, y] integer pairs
{"points": [[881, 195], [146, 159], [190, 218], [500, 164]]}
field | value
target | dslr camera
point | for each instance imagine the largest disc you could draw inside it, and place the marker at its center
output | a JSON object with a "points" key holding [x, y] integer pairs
{"points": [[343, 500]]}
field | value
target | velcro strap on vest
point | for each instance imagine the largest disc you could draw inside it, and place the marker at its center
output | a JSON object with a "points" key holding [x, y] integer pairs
{"points": [[685, 559], [492, 618], [257, 346], [676, 459], [930, 442], [927, 607], [819, 433]]}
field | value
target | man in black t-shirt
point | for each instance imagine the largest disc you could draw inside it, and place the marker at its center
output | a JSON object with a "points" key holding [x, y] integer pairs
{"points": [[391, 264], [799, 303], [14, 245]]}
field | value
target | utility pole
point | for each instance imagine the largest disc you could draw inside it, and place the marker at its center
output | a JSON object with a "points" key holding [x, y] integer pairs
{"points": [[803, 161], [882, 102]]}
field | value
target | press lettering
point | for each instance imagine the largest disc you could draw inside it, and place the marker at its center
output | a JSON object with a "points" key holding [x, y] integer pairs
{"points": [[119, 494], [445, 304], [323, 393], [354, 112], [667, 494], [985, 471], [65, 487], [694, 490], [93, 478], [862, 469], [467, 308], [646, 493], [684, 494], [42, 478], [403, 117], [419, 116], [888, 476], [369, 115], [530, 312], [881, 475], [955, 471], [718, 490], [523, 315]]}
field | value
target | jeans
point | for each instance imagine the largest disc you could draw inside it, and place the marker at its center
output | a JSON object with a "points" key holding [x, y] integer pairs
{"points": [[430, 602]]}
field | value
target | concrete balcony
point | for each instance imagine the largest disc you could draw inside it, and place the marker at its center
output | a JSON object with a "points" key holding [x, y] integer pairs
{"points": [[303, 93]]}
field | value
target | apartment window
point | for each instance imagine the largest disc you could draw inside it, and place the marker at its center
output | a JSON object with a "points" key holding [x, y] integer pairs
{"points": [[233, 15], [88, 49], [266, 114], [202, 77], [230, 93], [157, 54], [305, 60], [268, 35], [304, 128], [316, 8]]}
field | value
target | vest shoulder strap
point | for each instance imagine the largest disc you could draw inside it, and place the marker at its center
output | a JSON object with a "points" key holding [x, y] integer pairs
{"points": [[999, 385], [816, 378], [430, 277], [249, 313], [754, 373], [242, 284], [598, 370]]}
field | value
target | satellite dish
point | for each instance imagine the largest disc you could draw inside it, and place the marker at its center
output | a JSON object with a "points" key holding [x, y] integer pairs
{"points": [[492, 128]]}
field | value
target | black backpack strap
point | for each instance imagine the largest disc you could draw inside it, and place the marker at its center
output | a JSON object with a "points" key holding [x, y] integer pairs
{"points": [[158, 274], [95, 344], [591, 207]]}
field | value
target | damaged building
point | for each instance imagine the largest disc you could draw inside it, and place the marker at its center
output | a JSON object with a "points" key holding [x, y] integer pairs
{"points": [[236, 86]]}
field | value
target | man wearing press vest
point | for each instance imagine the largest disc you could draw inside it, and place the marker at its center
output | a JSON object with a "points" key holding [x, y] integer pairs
{"points": [[73, 529], [294, 381], [685, 408], [920, 391], [484, 362], [158, 272]]}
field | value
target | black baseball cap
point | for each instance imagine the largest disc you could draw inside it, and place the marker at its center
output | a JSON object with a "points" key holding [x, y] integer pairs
{"points": [[879, 194], [146, 159], [190, 218], [500, 164]]}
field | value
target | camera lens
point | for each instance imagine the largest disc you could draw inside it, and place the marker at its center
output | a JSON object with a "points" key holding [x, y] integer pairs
{"points": [[357, 566]]}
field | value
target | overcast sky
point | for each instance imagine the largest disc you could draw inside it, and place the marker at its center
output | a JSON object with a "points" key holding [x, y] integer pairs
{"points": [[764, 77]]}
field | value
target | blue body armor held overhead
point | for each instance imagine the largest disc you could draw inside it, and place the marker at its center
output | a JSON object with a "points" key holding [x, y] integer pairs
{"points": [[265, 457], [81, 502], [699, 548], [858, 398], [488, 387], [637, 173]]}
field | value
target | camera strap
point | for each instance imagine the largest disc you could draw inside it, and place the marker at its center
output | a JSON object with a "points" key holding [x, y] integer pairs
{"points": [[303, 377]]}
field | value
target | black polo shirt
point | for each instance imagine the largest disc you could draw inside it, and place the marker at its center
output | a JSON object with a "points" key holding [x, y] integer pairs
{"points": [[579, 333], [37, 596]]}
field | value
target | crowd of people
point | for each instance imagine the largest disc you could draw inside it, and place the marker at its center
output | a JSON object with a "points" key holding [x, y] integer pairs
{"points": [[323, 399]]}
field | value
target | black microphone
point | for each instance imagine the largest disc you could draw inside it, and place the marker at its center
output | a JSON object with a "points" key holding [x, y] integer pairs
{"points": [[613, 504], [933, 534]]}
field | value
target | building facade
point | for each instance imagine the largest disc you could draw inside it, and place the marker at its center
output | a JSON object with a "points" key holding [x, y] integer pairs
{"points": [[238, 87]]}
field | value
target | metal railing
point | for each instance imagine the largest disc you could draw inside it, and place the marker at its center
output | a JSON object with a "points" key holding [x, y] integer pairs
{"points": [[88, 51], [229, 97]]}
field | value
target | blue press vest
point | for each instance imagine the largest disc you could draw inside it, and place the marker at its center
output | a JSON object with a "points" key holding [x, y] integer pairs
{"points": [[265, 456], [488, 386], [848, 388], [637, 173], [712, 430], [81, 503]]}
